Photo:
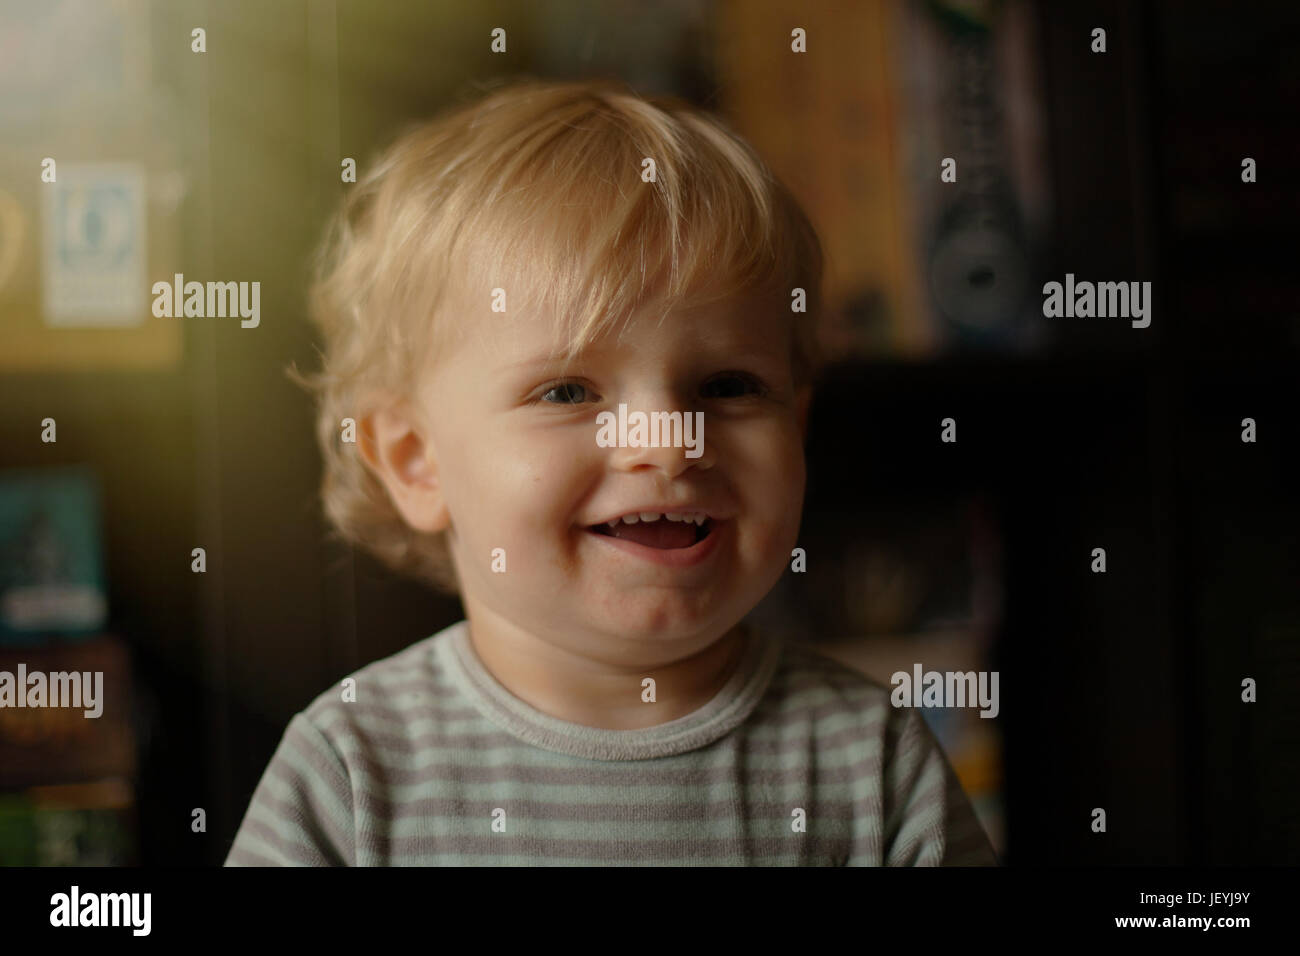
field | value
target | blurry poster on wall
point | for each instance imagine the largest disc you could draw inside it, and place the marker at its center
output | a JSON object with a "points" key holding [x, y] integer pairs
{"points": [[973, 133], [94, 255], [90, 210], [858, 116]]}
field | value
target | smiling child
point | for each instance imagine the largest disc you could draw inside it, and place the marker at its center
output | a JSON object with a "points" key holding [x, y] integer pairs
{"points": [[502, 281]]}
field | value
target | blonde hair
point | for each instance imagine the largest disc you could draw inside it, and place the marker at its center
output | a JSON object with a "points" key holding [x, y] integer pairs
{"points": [[535, 187]]}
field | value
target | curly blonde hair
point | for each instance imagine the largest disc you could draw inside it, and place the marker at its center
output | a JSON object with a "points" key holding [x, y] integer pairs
{"points": [[537, 187]]}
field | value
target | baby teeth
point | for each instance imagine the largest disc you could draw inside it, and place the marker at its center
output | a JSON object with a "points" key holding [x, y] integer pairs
{"points": [[697, 519]]}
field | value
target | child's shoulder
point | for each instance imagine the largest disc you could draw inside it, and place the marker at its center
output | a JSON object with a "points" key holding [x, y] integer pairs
{"points": [[808, 684], [389, 694], [805, 666]]}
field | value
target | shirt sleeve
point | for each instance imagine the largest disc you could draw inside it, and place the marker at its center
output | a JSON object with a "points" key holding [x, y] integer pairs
{"points": [[929, 820], [301, 813]]}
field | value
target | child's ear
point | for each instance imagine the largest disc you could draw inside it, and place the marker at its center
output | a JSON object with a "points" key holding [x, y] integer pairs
{"points": [[803, 400], [396, 449]]}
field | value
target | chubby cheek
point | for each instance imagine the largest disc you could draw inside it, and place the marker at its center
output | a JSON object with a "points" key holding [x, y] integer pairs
{"points": [[476, 493], [770, 476], [535, 493]]}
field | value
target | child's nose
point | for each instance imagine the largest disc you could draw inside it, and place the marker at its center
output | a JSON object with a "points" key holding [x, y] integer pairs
{"points": [[658, 429], [670, 461]]}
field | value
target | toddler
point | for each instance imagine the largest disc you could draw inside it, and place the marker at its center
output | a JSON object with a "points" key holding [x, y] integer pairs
{"points": [[574, 328]]}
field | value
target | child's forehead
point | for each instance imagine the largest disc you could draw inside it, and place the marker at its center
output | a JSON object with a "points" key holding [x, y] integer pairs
{"points": [[538, 324], [727, 324]]}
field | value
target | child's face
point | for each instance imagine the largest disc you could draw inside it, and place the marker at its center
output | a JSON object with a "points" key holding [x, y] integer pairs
{"points": [[519, 468]]}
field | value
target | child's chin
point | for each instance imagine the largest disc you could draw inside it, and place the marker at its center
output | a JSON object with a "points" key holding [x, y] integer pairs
{"points": [[661, 621]]}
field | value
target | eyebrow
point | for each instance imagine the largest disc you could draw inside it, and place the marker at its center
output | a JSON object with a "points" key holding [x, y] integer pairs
{"points": [[739, 351], [545, 358]]}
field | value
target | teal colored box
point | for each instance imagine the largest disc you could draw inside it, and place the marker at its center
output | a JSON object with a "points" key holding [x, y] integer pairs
{"points": [[52, 578]]}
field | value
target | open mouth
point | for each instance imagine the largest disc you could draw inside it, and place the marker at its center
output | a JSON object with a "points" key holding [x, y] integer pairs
{"points": [[661, 532]]}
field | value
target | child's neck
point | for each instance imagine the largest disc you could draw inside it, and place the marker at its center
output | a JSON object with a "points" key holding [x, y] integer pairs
{"points": [[572, 687]]}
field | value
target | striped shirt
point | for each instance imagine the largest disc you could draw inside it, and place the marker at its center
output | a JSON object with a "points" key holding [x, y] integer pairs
{"points": [[797, 760]]}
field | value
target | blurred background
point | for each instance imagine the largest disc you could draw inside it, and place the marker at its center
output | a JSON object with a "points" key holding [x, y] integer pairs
{"points": [[1119, 690]]}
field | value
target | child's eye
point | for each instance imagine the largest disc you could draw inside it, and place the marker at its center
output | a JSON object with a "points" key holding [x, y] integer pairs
{"points": [[569, 393], [733, 385]]}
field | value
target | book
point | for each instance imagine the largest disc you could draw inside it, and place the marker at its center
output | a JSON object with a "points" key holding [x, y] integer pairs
{"points": [[52, 574]]}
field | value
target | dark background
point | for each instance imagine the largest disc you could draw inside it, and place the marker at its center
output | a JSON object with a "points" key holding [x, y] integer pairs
{"points": [[1119, 690]]}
